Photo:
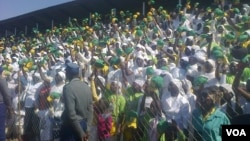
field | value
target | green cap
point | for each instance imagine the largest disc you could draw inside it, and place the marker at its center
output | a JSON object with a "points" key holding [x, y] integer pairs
{"points": [[21, 61], [200, 80], [128, 50], [183, 18], [153, 58], [97, 26], [207, 23], [119, 51], [246, 74], [236, 10], [99, 63], [160, 43], [70, 40], [180, 29], [216, 47], [196, 4], [209, 9], [132, 113], [245, 19], [243, 37], [34, 67], [149, 70], [5, 67], [55, 95], [229, 27], [191, 33], [218, 12], [217, 54], [155, 30], [204, 35], [180, 42], [164, 68], [102, 43], [160, 8], [114, 60], [229, 36], [23, 49], [139, 33], [162, 126], [158, 81], [95, 42]]}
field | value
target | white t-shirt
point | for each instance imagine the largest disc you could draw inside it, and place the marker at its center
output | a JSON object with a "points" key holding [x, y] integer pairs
{"points": [[57, 103], [31, 94], [45, 125], [176, 108]]}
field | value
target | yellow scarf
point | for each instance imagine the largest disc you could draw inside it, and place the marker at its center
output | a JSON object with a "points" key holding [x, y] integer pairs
{"points": [[204, 118]]}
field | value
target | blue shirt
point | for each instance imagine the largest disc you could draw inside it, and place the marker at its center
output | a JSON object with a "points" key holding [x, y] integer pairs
{"points": [[209, 129]]}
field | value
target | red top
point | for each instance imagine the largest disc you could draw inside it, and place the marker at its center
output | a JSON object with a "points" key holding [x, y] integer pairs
{"points": [[104, 126]]}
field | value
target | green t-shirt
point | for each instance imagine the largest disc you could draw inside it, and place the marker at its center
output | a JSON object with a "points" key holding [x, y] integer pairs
{"points": [[118, 102]]}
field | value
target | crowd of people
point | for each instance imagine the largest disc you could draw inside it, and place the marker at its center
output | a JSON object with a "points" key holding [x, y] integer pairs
{"points": [[164, 76]]}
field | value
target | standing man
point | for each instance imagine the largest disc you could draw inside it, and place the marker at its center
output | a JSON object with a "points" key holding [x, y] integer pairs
{"points": [[5, 105], [78, 112]]}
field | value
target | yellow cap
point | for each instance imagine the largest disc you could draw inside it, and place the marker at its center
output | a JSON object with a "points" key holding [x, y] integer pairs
{"points": [[49, 99], [1, 48]]}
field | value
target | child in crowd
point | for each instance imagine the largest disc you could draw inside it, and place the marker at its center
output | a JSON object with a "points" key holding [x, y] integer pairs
{"points": [[104, 120], [15, 131]]}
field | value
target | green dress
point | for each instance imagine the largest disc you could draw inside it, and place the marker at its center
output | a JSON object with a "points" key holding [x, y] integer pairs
{"points": [[118, 102], [130, 118]]}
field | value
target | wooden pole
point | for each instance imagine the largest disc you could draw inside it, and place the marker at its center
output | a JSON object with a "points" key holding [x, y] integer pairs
{"points": [[180, 5], [19, 99], [15, 31], [90, 19], [52, 24], [26, 29], [143, 8], [37, 26]]}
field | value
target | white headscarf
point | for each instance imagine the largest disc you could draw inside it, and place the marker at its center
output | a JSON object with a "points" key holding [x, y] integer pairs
{"points": [[119, 84], [62, 75], [178, 83], [139, 81], [187, 83], [166, 80]]}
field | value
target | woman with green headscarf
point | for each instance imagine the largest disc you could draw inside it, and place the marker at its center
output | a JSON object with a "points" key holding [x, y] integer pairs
{"points": [[133, 95], [150, 112], [118, 101]]}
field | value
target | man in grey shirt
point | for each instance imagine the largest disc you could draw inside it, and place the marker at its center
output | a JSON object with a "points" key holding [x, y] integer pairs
{"points": [[78, 113], [5, 105]]}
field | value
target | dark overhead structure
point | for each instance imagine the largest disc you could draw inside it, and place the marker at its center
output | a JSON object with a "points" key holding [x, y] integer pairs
{"points": [[79, 9], [60, 14]]}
